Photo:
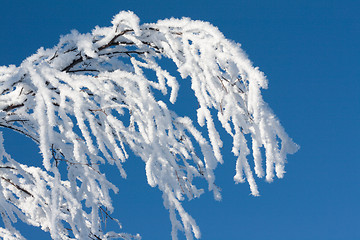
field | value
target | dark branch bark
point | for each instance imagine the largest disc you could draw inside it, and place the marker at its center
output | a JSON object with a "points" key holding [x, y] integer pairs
{"points": [[20, 131], [112, 41], [13, 106], [17, 186], [76, 61]]}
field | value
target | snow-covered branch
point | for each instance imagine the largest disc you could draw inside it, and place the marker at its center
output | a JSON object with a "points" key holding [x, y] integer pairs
{"points": [[88, 101]]}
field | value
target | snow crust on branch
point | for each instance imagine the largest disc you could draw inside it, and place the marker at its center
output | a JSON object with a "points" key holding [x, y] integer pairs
{"points": [[88, 101]]}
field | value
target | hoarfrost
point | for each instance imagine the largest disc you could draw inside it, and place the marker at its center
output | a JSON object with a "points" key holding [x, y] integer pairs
{"points": [[71, 100]]}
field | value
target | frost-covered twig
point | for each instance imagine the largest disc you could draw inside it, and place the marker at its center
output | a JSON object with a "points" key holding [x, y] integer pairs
{"points": [[88, 101]]}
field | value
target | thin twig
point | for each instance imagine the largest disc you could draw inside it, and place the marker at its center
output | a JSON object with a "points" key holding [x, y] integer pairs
{"points": [[20, 131], [17, 186]]}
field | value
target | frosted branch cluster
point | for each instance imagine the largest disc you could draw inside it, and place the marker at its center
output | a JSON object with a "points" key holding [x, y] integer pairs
{"points": [[89, 102]]}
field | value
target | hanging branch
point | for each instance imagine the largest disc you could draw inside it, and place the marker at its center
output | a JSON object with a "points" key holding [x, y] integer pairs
{"points": [[89, 100]]}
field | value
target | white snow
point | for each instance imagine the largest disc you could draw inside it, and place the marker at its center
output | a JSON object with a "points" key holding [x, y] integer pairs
{"points": [[72, 101]]}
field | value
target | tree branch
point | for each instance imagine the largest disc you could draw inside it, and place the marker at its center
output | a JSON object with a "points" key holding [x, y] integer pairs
{"points": [[17, 186]]}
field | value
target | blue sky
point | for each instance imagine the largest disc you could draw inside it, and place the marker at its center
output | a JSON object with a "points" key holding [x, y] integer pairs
{"points": [[309, 51]]}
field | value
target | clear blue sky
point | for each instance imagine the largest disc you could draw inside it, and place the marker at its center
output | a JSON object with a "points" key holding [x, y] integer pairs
{"points": [[310, 52]]}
